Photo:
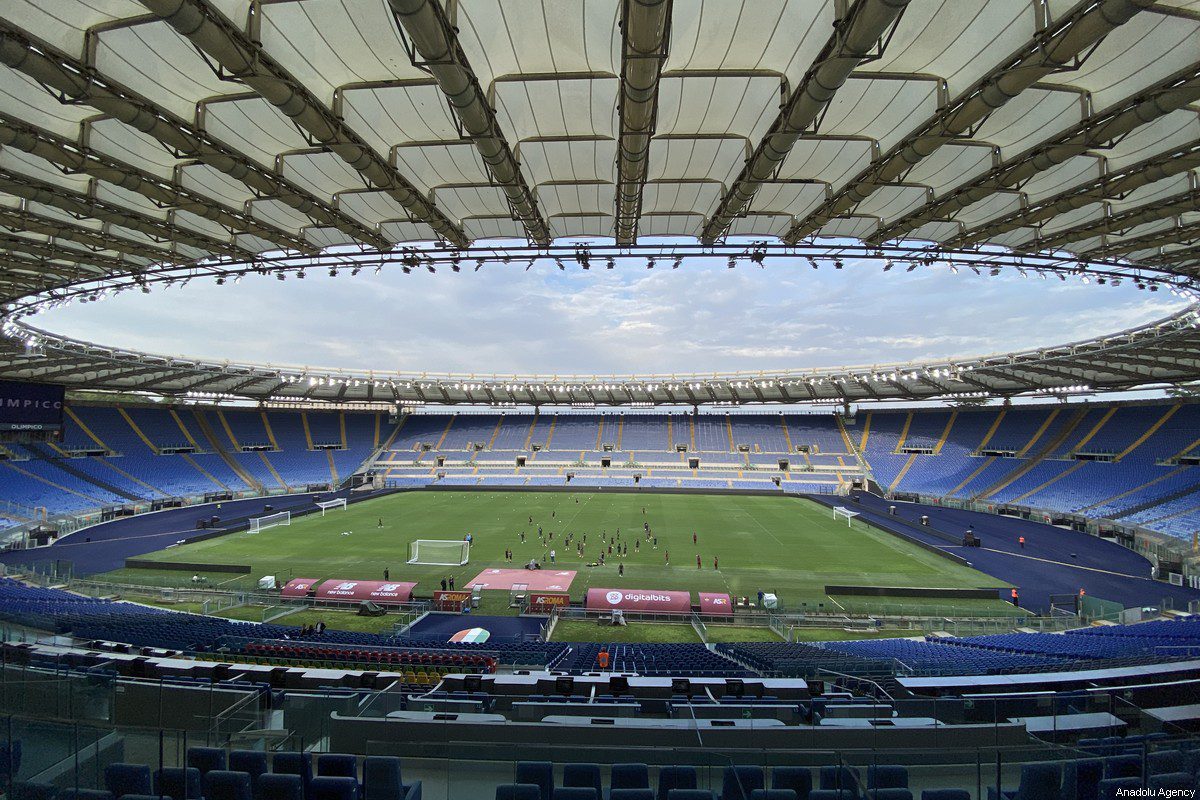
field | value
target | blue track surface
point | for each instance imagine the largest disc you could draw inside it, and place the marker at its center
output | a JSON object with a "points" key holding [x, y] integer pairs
{"points": [[1054, 561], [502, 629], [104, 547]]}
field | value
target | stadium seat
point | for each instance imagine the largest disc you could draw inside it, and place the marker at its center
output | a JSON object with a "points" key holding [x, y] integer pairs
{"points": [[539, 773], [1081, 779], [178, 783], [798, 779], [337, 765], [122, 779], [1117, 788], [222, 784], [690, 794], [738, 782], [839, 777], [292, 763], [328, 787], [886, 777], [382, 780], [27, 790], [1039, 781], [85, 794], [252, 762], [945, 794], [629, 776], [585, 775], [1172, 780], [273, 786], [575, 793], [1164, 762], [772, 794], [833, 794], [891, 793], [206, 758], [518, 791], [644, 793], [1126, 766], [672, 778]]}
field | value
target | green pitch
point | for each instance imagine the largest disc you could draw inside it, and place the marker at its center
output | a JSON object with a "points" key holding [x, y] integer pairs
{"points": [[785, 545]]}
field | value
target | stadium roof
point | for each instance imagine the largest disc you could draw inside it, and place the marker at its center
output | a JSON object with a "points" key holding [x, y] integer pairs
{"points": [[138, 137]]}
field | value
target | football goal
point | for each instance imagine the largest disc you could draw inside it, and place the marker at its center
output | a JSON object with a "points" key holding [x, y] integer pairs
{"points": [[439, 552], [270, 521], [841, 512], [330, 505]]}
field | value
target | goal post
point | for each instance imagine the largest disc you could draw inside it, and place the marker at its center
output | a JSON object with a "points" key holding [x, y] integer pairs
{"points": [[270, 521], [439, 552], [330, 505], [841, 512]]}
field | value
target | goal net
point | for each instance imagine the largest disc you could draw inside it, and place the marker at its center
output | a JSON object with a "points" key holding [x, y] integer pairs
{"points": [[330, 505], [270, 521], [439, 552], [840, 512]]}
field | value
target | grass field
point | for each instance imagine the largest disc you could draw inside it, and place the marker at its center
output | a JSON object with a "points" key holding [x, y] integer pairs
{"points": [[786, 545]]}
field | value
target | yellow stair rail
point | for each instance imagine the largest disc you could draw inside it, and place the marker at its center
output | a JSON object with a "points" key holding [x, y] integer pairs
{"points": [[308, 440], [599, 434], [1149, 432], [271, 469], [134, 426], [729, 429], [550, 433], [1037, 434], [445, 433], [496, 432], [237, 448], [270, 433], [787, 437], [862, 445], [903, 471], [987, 437], [945, 432], [620, 431], [532, 425], [91, 435], [1049, 482], [183, 428], [987, 462], [1095, 429], [332, 467], [342, 427], [903, 432]]}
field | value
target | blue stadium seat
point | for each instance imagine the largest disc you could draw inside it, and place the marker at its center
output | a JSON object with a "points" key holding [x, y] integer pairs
{"points": [[585, 775], [575, 793], [178, 783], [252, 762], [833, 794], [334, 788], [85, 794], [772, 794], [886, 776], [273, 786], [738, 782], [518, 791], [891, 793], [122, 779], [1162, 762], [220, 784], [292, 763], [1172, 780], [337, 765], [690, 794], [945, 794], [1127, 766], [839, 777], [539, 773], [26, 790], [1081, 779], [382, 780], [1117, 788], [1039, 781], [798, 779], [206, 758], [672, 778], [645, 793], [629, 776]]}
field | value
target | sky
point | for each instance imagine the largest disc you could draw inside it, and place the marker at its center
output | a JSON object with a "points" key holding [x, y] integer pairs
{"points": [[702, 317]]}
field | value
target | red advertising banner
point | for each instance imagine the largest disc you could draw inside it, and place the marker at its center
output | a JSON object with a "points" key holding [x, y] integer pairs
{"points": [[714, 603], [378, 591], [639, 600], [544, 601], [298, 587], [450, 600]]}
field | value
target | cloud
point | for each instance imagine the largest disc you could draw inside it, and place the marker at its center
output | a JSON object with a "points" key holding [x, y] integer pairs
{"points": [[702, 317]]}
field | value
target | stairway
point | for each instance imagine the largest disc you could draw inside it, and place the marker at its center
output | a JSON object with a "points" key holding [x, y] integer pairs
{"points": [[65, 466], [1031, 462], [231, 462], [1167, 498]]}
